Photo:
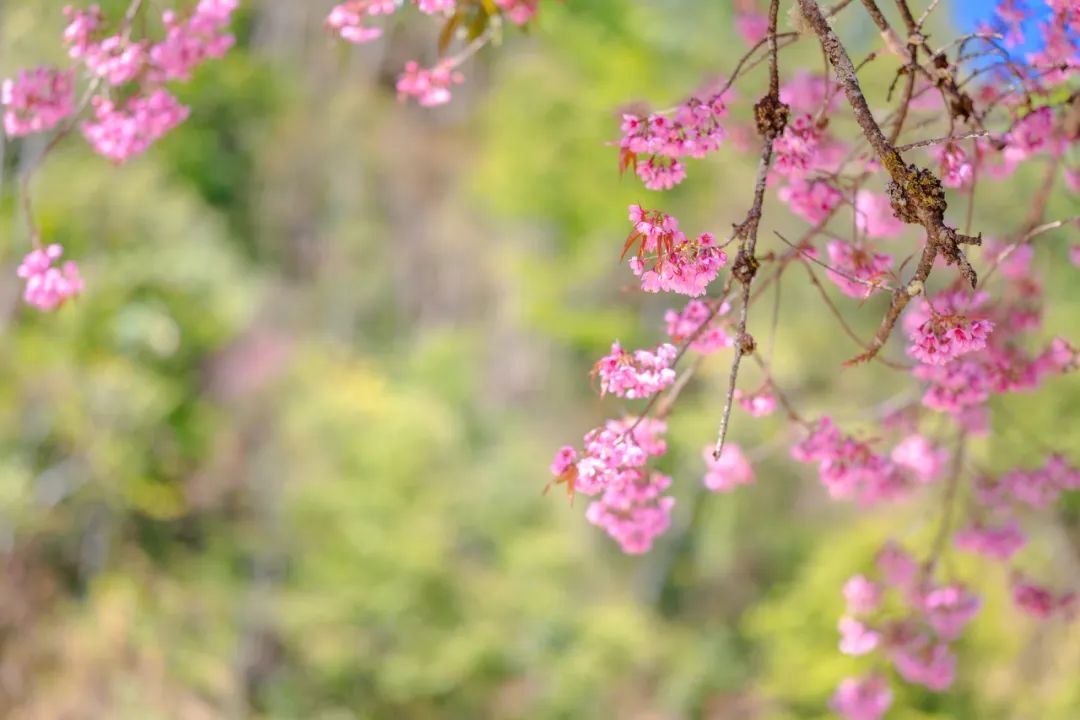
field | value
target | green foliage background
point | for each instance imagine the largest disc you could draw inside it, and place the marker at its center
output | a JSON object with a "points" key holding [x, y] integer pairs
{"points": [[284, 458]]}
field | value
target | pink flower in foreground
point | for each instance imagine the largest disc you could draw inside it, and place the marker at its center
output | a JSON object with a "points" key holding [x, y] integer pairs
{"points": [[347, 19], [860, 263], [862, 699], [897, 565], [1040, 602], [923, 663], [917, 454], [812, 200], [434, 7], [634, 513], [191, 42], [948, 609], [728, 472], [694, 322], [856, 638], [638, 374], [945, 337], [999, 543], [1074, 255], [48, 287], [36, 100], [431, 86], [862, 595], [667, 259], [956, 168], [121, 132], [874, 216], [752, 27], [758, 404], [519, 11]]}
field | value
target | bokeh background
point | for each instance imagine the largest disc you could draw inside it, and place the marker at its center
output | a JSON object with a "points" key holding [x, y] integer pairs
{"points": [[284, 458]]}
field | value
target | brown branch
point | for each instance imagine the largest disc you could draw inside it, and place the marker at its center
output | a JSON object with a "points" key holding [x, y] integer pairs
{"points": [[917, 195], [771, 117]]}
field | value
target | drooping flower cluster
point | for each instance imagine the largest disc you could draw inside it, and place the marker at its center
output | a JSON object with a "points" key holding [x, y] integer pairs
{"points": [[859, 271], [851, 469], [758, 404], [631, 507], [430, 86], [639, 374], [124, 128], [944, 336], [700, 325], [796, 149], [48, 286], [729, 471], [918, 641], [667, 259], [655, 145], [36, 100], [519, 11], [349, 19], [121, 132], [357, 22]]}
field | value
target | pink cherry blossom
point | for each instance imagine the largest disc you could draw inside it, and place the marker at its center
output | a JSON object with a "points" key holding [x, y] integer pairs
{"points": [[122, 132], [862, 595], [922, 662], [758, 404], [348, 19], [49, 287], [1041, 602], [667, 259], [874, 216], [862, 699], [519, 11], [729, 471], [957, 170], [805, 92], [856, 638], [897, 566], [654, 145], [694, 322], [860, 262], [812, 200], [430, 86], [435, 7], [634, 513], [997, 542], [36, 100], [752, 27], [188, 43], [948, 609], [638, 374], [944, 337], [919, 455]]}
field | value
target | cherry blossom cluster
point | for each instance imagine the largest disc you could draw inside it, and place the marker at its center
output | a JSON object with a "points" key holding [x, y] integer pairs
{"points": [[729, 471], [655, 144], [360, 22], [37, 100], [907, 618], [132, 108], [639, 374], [667, 260], [702, 326], [630, 505], [851, 469], [49, 286], [126, 124]]}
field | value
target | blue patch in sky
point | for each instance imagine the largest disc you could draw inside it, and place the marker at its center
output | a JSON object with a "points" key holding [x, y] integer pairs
{"points": [[968, 14]]}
